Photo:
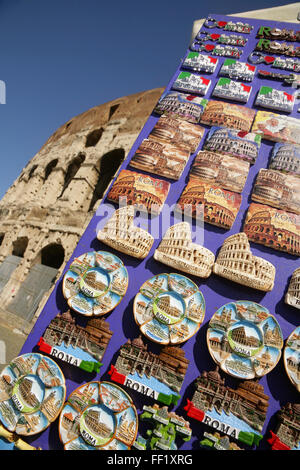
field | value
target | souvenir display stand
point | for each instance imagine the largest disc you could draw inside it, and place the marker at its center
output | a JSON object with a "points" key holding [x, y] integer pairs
{"points": [[273, 388]]}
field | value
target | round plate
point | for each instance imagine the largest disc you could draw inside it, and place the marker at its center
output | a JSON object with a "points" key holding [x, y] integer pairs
{"points": [[291, 357], [98, 416], [95, 283], [244, 339], [32, 394], [169, 308]]}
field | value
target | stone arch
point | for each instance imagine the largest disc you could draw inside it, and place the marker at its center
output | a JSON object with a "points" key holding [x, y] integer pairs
{"points": [[93, 137], [72, 169], [49, 168], [19, 246], [32, 171], [51, 255]]}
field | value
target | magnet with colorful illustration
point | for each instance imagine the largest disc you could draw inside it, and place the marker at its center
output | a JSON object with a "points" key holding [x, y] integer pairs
{"points": [[237, 70], [191, 83], [291, 357], [169, 308], [95, 283], [200, 62], [271, 98], [232, 90]]}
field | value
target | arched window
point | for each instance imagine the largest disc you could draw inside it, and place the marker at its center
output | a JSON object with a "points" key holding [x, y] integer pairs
{"points": [[112, 110], [49, 168], [52, 255], [93, 137], [32, 170], [19, 246], [72, 170]]}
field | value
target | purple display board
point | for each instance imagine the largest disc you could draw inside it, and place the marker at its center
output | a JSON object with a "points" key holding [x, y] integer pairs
{"points": [[216, 290]]}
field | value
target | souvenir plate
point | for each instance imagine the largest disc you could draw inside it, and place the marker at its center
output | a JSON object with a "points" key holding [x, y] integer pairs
{"points": [[244, 339], [234, 116], [291, 357], [98, 416], [32, 393], [169, 308], [95, 283]]}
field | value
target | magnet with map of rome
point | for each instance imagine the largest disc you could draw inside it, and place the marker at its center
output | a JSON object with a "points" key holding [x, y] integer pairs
{"points": [[244, 339], [95, 283], [32, 394], [291, 357], [169, 308], [98, 416]]}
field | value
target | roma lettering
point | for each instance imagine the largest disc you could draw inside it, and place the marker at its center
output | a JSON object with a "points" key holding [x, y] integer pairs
{"points": [[218, 425], [138, 387]]}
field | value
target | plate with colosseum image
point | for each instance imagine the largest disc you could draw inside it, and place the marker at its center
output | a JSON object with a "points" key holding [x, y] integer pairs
{"points": [[95, 283], [291, 357], [98, 416], [32, 394], [244, 339], [169, 308]]}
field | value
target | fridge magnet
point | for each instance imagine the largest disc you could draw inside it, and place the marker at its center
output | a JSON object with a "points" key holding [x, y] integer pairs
{"points": [[237, 27], [191, 83], [220, 113], [121, 234], [222, 170], [273, 228], [287, 79], [32, 394], [277, 127], [177, 250], [236, 262], [169, 308], [216, 49], [228, 39], [217, 441], [210, 203], [271, 98], [277, 189], [200, 62], [241, 144], [157, 376], [291, 357], [275, 47], [178, 132], [287, 434], [79, 346], [237, 70], [98, 416], [244, 339], [286, 158], [95, 283], [167, 427], [143, 192], [240, 413], [275, 33], [292, 296], [277, 62], [160, 158], [232, 90], [187, 106]]}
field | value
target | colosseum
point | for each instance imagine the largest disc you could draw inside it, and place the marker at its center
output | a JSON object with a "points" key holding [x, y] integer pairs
{"points": [[47, 208]]}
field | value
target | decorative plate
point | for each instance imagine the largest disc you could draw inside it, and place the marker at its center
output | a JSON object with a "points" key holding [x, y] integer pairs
{"points": [[169, 308], [291, 357], [98, 416], [95, 283], [244, 339], [32, 394]]}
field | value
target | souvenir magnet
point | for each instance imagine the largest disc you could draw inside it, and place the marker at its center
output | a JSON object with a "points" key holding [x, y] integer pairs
{"points": [[231, 40], [286, 158], [277, 189], [157, 376], [277, 127], [244, 339], [242, 417], [271, 98], [79, 346], [274, 47], [277, 62], [234, 116], [291, 357], [98, 416], [188, 107], [191, 83], [240, 144], [32, 393], [146, 194], [237, 27], [229, 89], [267, 32], [217, 441], [200, 62], [177, 250], [292, 296], [167, 426], [238, 70], [236, 262], [95, 283], [169, 308], [273, 228], [288, 79], [287, 434], [220, 50]]}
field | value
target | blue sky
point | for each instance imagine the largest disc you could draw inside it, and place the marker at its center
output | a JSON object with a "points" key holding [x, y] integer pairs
{"points": [[62, 57]]}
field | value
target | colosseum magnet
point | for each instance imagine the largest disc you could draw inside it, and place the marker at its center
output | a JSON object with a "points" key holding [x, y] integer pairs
{"points": [[145, 193], [277, 189], [237, 70], [121, 234], [32, 394], [232, 90], [169, 308], [187, 106], [277, 127], [191, 83], [286, 158], [95, 283], [273, 228], [177, 250], [221, 170], [272, 98], [236, 262], [244, 339], [291, 357], [98, 416], [234, 116], [292, 297], [240, 144], [200, 62]]}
